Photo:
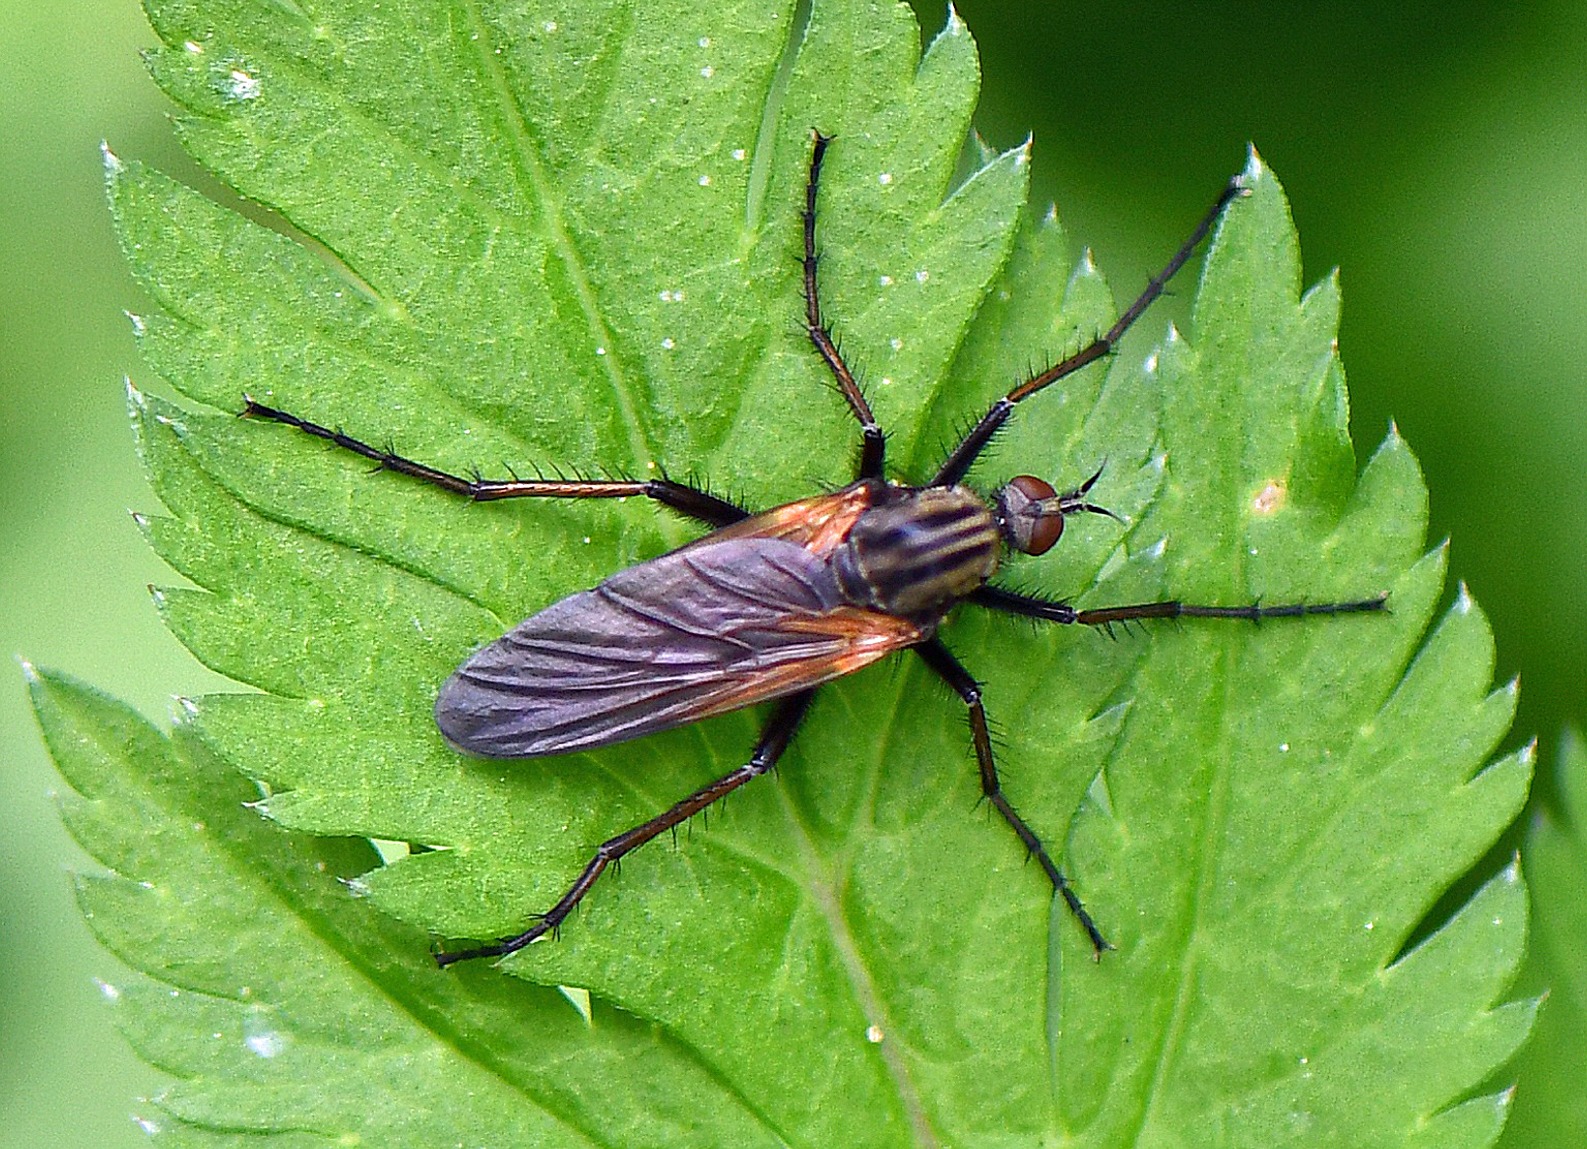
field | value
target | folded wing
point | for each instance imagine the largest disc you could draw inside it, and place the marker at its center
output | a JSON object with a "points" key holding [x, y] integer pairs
{"points": [[709, 628]]}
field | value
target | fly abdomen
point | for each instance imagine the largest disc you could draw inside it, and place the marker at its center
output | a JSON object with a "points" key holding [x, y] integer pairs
{"points": [[920, 552]]}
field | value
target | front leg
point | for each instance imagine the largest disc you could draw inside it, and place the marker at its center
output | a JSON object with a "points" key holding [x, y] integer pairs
{"points": [[873, 443]]}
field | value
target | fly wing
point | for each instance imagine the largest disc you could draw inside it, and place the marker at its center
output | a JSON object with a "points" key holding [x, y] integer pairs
{"points": [[709, 628]]}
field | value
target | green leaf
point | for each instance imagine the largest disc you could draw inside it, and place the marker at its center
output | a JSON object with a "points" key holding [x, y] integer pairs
{"points": [[281, 1005], [1550, 1105], [569, 240]]}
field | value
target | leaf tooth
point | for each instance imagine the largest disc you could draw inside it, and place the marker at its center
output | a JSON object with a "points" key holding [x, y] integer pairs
{"points": [[1099, 794], [1255, 168]]}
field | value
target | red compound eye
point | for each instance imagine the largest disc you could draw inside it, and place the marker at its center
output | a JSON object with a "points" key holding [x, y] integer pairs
{"points": [[1032, 522]]}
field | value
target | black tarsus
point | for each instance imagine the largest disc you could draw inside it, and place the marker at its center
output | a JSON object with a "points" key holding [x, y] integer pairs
{"points": [[962, 457], [774, 739], [681, 497], [1050, 610], [942, 662]]}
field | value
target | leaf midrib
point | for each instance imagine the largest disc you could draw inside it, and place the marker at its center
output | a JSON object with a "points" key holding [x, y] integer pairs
{"points": [[820, 886], [537, 188], [1213, 819]]}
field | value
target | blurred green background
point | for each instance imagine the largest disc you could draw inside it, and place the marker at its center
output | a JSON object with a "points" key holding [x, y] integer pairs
{"points": [[1437, 152]]}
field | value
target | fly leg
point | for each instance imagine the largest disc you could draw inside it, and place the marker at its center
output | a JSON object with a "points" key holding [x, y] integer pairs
{"points": [[957, 465], [1061, 612], [686, 500], [953, 673], [950, 670], [873, 443], [774, 739]]}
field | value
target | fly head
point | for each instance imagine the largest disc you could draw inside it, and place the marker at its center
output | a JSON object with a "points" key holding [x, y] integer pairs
{"points": [[1030, 511]]}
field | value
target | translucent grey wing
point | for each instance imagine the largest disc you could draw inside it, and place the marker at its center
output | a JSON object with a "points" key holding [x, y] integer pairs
{"points": [[709, 628]]}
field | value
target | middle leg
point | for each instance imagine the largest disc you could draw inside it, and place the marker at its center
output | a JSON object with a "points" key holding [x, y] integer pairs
{"points": [[1048, 610]]}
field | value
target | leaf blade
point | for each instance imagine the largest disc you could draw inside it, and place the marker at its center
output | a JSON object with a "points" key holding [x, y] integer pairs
{"points": [[261, 986], [535, 311]]}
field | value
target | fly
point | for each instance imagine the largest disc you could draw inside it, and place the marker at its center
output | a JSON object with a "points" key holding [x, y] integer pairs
{"points": [[768, 607]]}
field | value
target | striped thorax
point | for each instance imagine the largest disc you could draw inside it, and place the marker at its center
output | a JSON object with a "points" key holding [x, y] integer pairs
{"points": [[918, 551]]}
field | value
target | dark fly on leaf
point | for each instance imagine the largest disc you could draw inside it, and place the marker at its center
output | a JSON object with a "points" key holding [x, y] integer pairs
{"points": [[770, 606]]}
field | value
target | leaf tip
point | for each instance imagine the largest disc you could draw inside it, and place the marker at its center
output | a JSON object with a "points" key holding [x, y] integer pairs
{"points": [[955, 25], [1255, 169], [1463, 599], [29, 672], [1100, 794], [1528, 753], [579, 999]]}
